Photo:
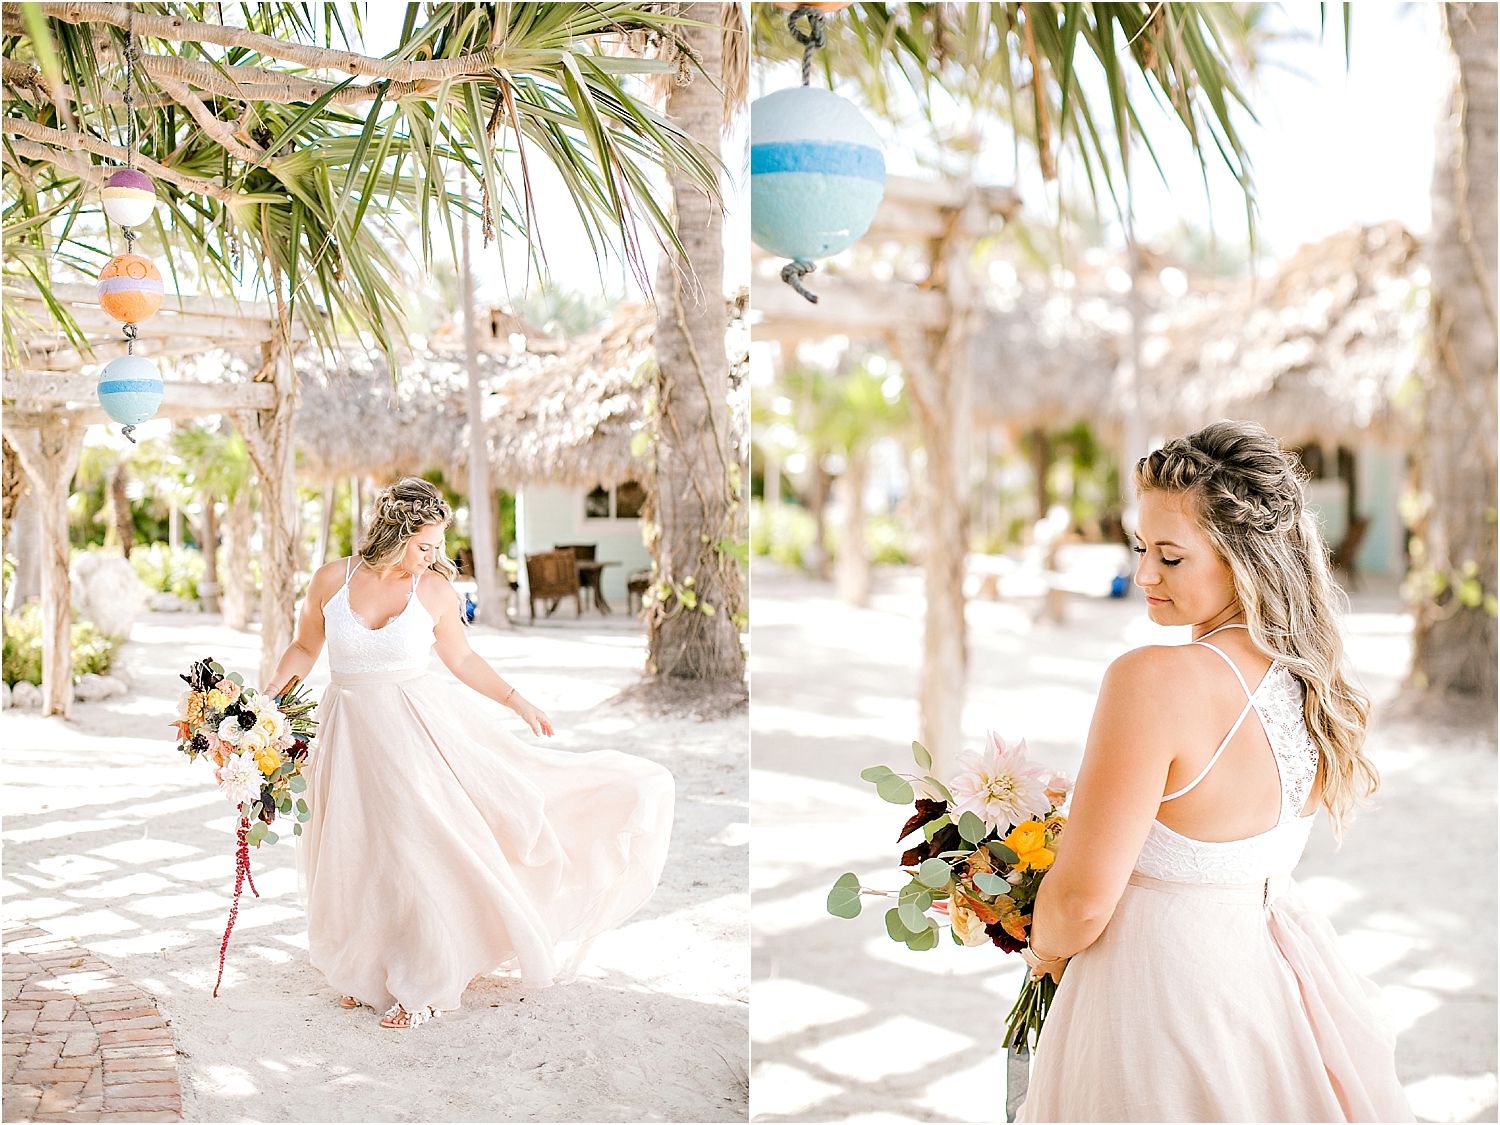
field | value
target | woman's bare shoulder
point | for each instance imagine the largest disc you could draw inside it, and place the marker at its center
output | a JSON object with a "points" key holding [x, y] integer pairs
{"points": [[1155, 681], [438, 594], [328, 577]]}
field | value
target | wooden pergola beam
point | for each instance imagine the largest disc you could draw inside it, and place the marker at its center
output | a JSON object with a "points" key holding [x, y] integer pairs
{"points": [[846, 305], [32, 389]]}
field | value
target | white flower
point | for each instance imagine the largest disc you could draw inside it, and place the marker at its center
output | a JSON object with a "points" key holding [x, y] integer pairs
{"points": [[230, 730], [183, 703], [1001, 788], [253, 741], [240, 779], [967, 925], [268, 720]]}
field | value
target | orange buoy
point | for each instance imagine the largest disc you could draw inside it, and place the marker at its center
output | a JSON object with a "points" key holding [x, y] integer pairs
{"points": [[130, 288]]}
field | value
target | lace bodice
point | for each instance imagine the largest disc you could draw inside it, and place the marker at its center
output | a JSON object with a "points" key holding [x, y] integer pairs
{"points": [[1277, 702], [402, 644]]}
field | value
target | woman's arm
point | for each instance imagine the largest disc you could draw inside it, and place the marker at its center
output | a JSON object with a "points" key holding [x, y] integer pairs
{"points": [[471, 668], [302, 653], [1120, 786]]}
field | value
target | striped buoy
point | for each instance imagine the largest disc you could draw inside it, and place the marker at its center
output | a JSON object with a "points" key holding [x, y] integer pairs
{"points": [[130, 288], [130, 390], [129, 197], [817, 173]]}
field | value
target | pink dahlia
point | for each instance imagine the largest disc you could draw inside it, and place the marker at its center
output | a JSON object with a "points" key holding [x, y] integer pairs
{"points": [[1001, 787]]}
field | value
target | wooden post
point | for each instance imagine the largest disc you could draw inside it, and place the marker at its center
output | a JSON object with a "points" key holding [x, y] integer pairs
{"points": [[268, 437], [491, 609], [937, 363], [49, 454], [209, 588], [234, 571]]}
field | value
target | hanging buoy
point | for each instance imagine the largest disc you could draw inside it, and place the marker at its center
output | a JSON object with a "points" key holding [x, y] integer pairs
{"points": [[129, 197], [130, 288], [817, 174], [793, 5], [130, 390]]}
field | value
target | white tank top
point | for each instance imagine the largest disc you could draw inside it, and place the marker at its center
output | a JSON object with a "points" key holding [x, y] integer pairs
{"points": [[1277, 702], [402, 644]]}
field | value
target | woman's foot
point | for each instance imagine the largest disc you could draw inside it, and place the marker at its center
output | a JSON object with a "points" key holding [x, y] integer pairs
{"points": [[398, 1017], [349, 1003]]}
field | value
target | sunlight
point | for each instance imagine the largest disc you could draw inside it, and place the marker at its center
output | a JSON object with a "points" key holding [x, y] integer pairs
{"points": [[900, 1045], [783, 1007]]}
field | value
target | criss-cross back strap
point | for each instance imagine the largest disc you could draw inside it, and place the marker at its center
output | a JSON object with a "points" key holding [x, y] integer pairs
{"points": [[350, 566], [1249, 705]]}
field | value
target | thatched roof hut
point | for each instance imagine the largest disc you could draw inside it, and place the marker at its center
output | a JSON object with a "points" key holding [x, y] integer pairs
{"points": [[1319, 350]]}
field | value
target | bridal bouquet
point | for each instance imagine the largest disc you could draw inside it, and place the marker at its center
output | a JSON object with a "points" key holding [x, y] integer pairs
{"points": [[988, 839], [258, 745]]}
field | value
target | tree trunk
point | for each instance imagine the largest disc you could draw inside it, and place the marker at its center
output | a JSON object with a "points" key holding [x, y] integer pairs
{"points": [[853, 570], [325, 523], [937, 364], [235, 588], [1454, 553], [49, 454], [695, 606], [816, 558], [208, 543], [356, 514], [117, 511], [24, 540], [1041, 461], [491, 608], [268, 437]]}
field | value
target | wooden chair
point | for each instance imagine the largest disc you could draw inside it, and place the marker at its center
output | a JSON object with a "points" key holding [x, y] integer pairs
{"points": [[1348, 550], [589, 580], [553, 575], [636, 586]]}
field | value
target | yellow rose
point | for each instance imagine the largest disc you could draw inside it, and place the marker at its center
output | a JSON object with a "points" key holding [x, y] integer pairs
{"points": [[267, 760], [217, 700], [1029, 841]]}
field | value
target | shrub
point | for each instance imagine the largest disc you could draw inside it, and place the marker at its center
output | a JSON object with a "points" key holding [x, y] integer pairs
{"points": [[783, 532], [165, 571], [890, 540], [22, 658]]}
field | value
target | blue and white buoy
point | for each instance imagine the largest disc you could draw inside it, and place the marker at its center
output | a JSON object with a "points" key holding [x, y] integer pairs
{"points": [[130, 390], [817, 173]]}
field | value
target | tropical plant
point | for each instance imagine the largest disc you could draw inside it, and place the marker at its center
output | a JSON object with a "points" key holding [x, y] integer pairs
{"points": [[287, 157], [22, 655]]}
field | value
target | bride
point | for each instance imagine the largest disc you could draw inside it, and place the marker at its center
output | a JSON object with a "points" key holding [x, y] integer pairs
{"points": [[440, 846], [1199, 984]]}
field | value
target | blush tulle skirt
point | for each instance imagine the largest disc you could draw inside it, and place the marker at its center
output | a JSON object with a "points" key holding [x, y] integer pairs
{"points": [[441, 846], [1215, 1003]]}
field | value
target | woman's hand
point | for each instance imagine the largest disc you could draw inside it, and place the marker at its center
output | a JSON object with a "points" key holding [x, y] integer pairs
{"points": [[1040, 968], [533, 716]]}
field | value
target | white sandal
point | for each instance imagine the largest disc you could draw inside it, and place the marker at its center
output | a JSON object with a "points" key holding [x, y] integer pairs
{"points": [[413, 1019]]}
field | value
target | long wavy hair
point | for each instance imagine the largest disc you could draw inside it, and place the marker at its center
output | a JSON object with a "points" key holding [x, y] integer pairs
{"points": [[1248, 498], [399, 512]]}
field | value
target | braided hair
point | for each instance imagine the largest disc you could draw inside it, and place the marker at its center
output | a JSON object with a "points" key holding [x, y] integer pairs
{"points": [[1248, 497], [399, 512]]}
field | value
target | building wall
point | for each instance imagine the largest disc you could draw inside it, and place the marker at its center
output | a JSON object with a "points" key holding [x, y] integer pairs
{"points": [[1380, 475], [547, 515]]}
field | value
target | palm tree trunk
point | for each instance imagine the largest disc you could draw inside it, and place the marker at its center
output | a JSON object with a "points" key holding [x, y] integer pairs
{"points": [[208, 543], [49, 454], [694, 632], [853, 569], [491, 609], [1455, 647], [117, 504], [235, 588]]}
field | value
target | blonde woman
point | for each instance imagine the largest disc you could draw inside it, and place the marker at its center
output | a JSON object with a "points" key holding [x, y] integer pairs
{"points": [[1195, 982], [440, 846]]}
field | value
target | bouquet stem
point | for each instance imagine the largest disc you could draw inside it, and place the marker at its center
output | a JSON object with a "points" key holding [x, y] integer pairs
{"points": [[1025, 1020], [241, 877]]}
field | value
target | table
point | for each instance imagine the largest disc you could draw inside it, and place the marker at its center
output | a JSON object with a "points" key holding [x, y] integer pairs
{"points": [[590, 576]]}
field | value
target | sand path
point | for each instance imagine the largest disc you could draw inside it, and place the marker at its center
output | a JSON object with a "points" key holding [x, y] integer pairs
{"points": [[113, 839]]}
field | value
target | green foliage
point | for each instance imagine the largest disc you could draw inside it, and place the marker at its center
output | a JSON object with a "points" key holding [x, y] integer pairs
{"points": [[167, 571], [890, 540], [784, 532], [843, 899], [22, 658]]}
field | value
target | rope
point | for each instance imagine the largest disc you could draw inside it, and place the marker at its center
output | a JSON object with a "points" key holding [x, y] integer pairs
{"points": [[811, 41], [793, 272], [129, 98]]}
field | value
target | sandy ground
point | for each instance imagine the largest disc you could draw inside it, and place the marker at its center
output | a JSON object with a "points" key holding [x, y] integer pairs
{"points": [[847, 1025], [112, 838]]}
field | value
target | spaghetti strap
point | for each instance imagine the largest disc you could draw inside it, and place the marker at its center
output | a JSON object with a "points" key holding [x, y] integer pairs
{"points": [[1232, 665], [1249, 705], [350, 566]]}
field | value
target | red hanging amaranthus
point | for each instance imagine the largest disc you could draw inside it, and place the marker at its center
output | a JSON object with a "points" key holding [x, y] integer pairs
{"points": [[241, 877]]}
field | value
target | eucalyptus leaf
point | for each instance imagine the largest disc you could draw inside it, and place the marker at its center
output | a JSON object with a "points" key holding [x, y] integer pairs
{"points": [[919, 752], [843, 900], [301, 805], [284, 806], [298, 784], [894, 926], [913, 919], [236, 678], [939, 788], [923, 941], [1002, 853], [934, 873], [971, 828], [916, 894], [896, 790], [296, 830], [991, 884], [271, 837], [876, 773]]}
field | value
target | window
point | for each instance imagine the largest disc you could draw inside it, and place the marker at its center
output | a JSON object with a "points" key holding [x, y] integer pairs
{"points": [[625, 501]]}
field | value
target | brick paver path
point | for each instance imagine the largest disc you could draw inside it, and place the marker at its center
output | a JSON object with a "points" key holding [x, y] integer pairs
{"points": [[81, 1043]]}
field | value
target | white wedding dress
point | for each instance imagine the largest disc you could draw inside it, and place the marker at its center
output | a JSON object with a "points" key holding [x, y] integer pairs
{"points": [[440, 846], [1216, 992]]}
